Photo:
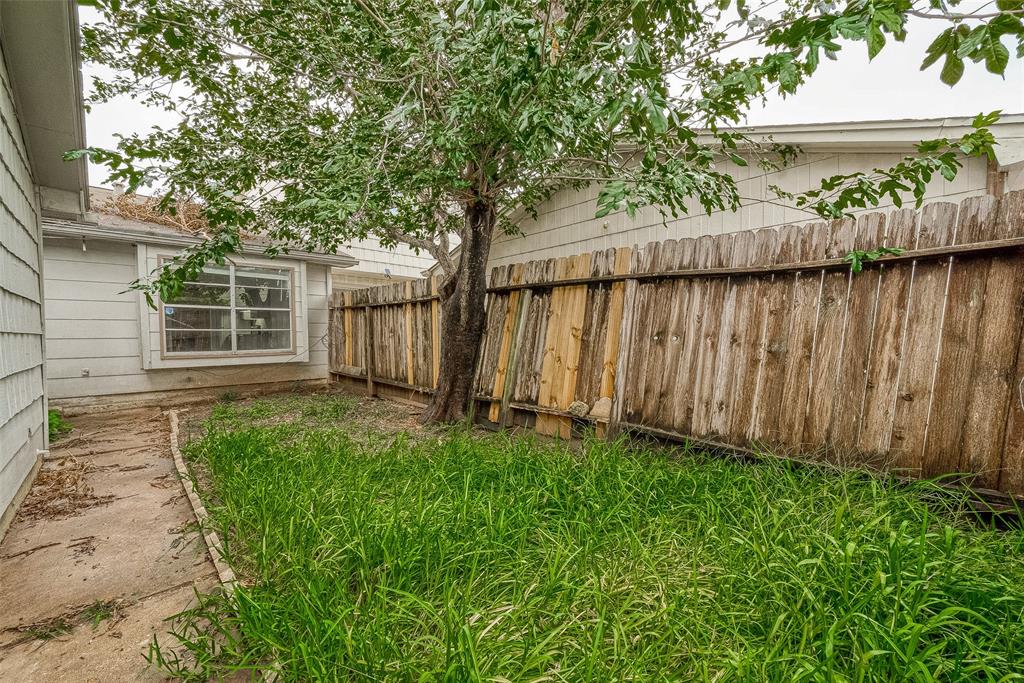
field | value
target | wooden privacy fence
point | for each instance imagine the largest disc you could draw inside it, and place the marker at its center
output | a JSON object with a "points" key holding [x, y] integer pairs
{"points": [[753, 339]]}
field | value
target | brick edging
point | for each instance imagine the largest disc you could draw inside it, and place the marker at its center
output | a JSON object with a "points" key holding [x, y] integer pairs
{"points": [[210, 537]]}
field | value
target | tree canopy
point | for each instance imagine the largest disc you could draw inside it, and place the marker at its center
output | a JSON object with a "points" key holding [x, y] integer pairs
{"points": [[316, 121]]}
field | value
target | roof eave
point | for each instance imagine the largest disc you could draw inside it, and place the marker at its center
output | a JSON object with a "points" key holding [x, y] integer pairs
{"points": [[73, 229], [41, 49]]}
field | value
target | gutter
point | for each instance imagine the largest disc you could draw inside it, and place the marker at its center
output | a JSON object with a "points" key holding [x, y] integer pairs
{"points": [[61, 228], [75, 31]]}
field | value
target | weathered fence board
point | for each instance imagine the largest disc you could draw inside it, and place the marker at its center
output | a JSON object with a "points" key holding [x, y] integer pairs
{"points": [[856, 351], [800, 345], [755, 339], [888, 333], [778, 305]]}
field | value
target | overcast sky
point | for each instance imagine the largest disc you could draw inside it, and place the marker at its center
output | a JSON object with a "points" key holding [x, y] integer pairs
{"points": [[850, 89]]}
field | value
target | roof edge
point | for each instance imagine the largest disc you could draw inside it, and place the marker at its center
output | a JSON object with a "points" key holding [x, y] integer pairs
{"points": [[67, 228]]}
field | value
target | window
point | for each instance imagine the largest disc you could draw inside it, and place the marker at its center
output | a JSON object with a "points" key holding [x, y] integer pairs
{"points": [[231, 310]]}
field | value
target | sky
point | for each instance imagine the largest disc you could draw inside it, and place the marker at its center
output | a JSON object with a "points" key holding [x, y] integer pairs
{"points": [[849, 89]]}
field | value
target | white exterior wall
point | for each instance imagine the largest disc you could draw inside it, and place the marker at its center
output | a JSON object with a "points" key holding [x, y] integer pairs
{"points": [[403, 262], [22, 401], [95, 327], [566, 225]]}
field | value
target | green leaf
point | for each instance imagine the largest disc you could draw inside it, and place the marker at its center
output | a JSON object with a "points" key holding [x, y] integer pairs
{"points": [[171, 36], [655, 115], [996, 56], [737, 159], [942, 45], [985, 120], [952, 70], [973, 41], [876, 41]]}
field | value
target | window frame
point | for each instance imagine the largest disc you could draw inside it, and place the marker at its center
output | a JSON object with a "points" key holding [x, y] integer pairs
{"points": [[293, 304]]}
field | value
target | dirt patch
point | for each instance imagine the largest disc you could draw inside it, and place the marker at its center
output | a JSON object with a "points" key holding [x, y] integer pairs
{"points": [[82, 547], [359, 415], [165, 481], [61, 490]]}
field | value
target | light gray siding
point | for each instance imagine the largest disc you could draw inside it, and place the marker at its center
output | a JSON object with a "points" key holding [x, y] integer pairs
{"points": [[566, 225], [94, 330], [347, 279], [402, 260], [22, 402]]}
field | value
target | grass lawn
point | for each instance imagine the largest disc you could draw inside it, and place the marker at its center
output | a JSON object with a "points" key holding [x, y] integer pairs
{"points": [[371, 553]]}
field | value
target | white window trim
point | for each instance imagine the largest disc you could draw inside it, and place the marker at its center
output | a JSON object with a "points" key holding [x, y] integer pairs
{"points": [[151, 321]]}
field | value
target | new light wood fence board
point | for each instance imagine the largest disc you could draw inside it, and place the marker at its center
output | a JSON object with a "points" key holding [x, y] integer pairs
{"points": [[754, 339]]}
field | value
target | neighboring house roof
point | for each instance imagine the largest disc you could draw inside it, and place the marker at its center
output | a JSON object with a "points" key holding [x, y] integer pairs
{"points": [[892, 135], [40, 46], [897, 135], [104, 223]]}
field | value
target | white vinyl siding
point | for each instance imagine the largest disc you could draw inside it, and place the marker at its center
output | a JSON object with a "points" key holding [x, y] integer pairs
{"points": [[566, 225], [22, 402], [402, 260], [95, 343], [347, 279], [401, 263]]}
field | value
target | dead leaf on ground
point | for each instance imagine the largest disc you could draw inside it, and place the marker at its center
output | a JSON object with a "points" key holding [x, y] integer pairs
{"points": [[61, 491]]}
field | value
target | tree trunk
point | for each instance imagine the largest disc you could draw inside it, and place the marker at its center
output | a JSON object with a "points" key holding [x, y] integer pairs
{"points": [[463, 318]]}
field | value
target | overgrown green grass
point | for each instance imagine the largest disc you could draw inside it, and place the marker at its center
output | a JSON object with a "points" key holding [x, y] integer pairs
{"points": [[469, 558]]}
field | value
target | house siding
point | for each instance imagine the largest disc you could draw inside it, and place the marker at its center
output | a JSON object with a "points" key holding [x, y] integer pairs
{"points": [[402, 261], [22, 400], [94, 331], [566, 225]]}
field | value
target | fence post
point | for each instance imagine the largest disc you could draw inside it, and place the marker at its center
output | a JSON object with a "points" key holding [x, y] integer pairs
{"points": [[368, 352], [335, 331]]}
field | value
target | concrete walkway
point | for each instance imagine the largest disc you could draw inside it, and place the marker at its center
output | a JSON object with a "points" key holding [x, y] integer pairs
{"points": [[103, 550]]}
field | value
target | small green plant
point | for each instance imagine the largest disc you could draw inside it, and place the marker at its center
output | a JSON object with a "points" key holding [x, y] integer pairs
{"points": [[858, 257], [229, 396], [49, 629], [98, 612], [56, 425]]}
